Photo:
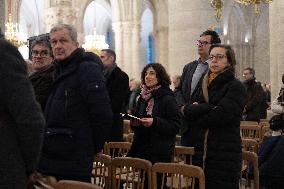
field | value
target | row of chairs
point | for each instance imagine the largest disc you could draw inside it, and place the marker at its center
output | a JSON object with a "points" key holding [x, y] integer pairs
{"points": [[135, 173], [120, 149], [127, 172]]}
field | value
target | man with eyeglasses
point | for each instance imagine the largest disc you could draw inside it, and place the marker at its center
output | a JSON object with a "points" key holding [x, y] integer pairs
{"points": [[41, 78], [191, 76]]}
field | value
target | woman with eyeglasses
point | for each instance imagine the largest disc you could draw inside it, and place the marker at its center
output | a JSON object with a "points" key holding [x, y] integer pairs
{"points": [[215, 120]]}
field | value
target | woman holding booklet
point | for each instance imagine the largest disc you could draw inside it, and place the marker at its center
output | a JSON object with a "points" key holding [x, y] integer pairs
{"points": [[158, 118]]}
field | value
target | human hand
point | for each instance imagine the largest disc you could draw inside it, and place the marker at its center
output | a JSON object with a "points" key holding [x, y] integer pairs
{"points": [[147, 122], [135, 122], [182, 110]]}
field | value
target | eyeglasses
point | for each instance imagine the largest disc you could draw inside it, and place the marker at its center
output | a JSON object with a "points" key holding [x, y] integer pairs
{"points": [[217, 57], [202, 43], [43, 53]]}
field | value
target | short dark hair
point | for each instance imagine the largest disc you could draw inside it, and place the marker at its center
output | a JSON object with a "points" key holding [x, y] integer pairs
{"points": [[251, 70], [215, 39], [230, 54], [161, 74], [42, 42], [110, 53]]}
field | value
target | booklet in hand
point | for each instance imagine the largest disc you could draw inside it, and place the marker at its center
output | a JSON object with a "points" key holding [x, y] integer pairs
{"points": [[129, 116]]}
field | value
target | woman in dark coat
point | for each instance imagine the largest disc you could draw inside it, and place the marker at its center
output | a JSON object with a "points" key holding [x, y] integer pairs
{"points": [[154, 133], [21, 121], [215, 121]]}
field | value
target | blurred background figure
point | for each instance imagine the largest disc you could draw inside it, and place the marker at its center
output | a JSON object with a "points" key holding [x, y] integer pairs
{"points": [[117, 83], [42, 77], [134, 86], [267, 90], [176, 82], [255, 96], [21, 121]]}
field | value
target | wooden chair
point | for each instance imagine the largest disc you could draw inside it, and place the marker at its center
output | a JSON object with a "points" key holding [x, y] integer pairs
{"points": [[178, 140], [175, 173], [130, 172], [129, 137], [126, 126], [265, 132], [249, 123], [251, 132], [250, 145], [117, 149], [69, 184], [183, 154], [250, 160], [101, 173]]}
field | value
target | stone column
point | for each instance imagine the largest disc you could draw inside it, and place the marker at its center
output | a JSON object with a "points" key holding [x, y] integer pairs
{"points": [[187, 20], [117, 28], [162, 41], [276, 24], [2, 16], [127, 47], [60, 12], [136, 51]]}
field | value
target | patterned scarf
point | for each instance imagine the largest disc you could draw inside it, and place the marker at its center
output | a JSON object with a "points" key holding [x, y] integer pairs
{"points": [[146, 94], [212, 76]]}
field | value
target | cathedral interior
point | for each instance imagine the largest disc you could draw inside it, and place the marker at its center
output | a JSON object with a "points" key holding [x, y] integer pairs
{"points": [[164, 31]]}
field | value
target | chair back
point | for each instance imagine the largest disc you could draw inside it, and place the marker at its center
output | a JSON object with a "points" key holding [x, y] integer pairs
{"points": [[265, 132], [117, 149], [249, 123], [178, 140], [129, 137], [130, 172], [70, 184], [101, 173], [251, 132], [126, 126], [177, 175], [183, 154], [250, 161]]}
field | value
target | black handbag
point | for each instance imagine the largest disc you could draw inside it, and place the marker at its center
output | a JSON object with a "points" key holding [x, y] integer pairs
{"points": [[277, 122]]}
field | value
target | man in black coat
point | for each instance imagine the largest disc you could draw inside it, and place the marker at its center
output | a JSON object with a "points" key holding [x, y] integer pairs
{"points": [[255, 96], [42, 77], [78, 111], [21, 120], [117, 83], [190, 79]]}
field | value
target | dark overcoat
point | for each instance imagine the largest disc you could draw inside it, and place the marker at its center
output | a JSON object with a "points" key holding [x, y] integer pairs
{"points": [[21, 121], [42, 82], [221, 153], [78, 116], [118, 89]]}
